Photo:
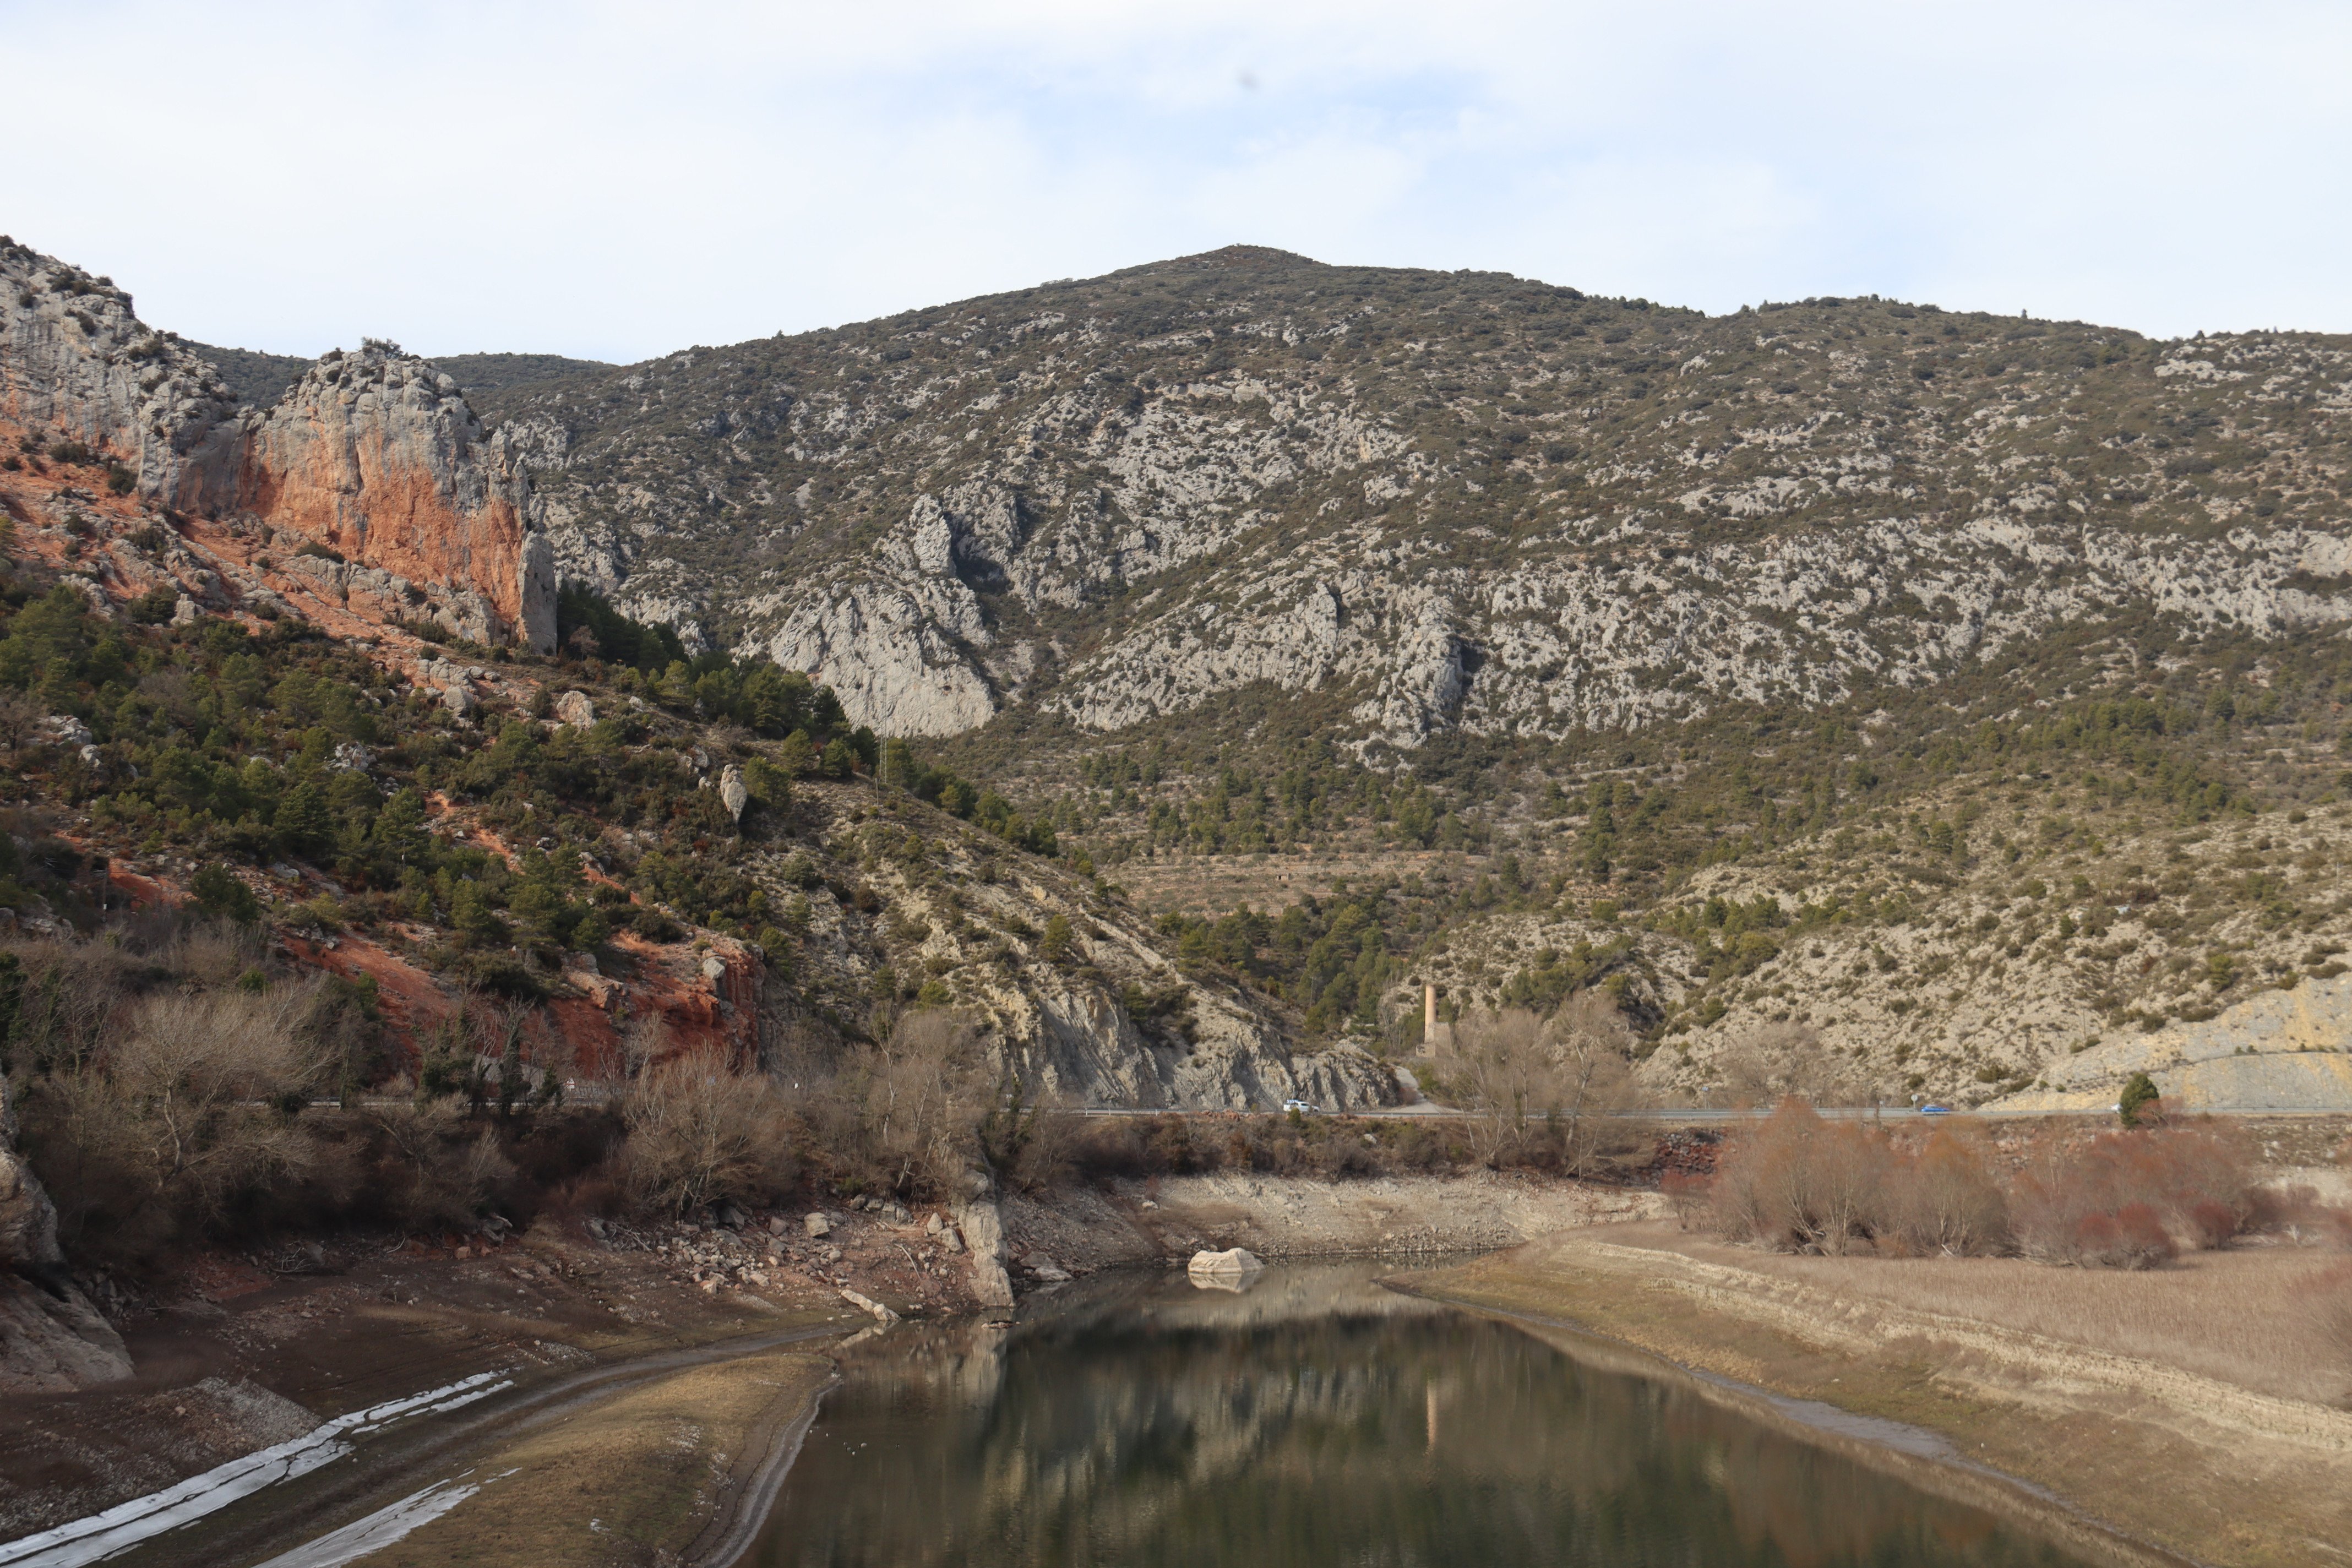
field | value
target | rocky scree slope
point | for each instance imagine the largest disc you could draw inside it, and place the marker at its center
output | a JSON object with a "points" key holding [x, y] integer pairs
{"points": [[1422, 503], [373, 456]]}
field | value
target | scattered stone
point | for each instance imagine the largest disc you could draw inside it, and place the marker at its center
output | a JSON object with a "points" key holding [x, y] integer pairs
{"points": [[867, 1304], [817, 1225]]}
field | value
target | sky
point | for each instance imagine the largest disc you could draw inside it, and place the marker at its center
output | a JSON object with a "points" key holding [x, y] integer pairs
{"points": [[616, 182]]}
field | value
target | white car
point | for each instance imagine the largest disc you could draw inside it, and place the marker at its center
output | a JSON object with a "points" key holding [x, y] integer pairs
{"points": [[1301, 1107]]}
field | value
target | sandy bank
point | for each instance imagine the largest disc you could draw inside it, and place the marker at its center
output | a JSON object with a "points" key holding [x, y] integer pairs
{"points": [[2082, 1385]]}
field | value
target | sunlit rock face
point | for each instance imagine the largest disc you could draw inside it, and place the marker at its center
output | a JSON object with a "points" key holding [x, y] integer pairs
{"points": [[374, 455]]}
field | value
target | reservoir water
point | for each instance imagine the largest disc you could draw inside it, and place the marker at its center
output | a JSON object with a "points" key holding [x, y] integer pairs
{"points": [[1317, 1419]]}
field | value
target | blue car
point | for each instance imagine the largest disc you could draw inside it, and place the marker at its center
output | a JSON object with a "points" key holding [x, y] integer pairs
{"points": [[1935, 1111]]}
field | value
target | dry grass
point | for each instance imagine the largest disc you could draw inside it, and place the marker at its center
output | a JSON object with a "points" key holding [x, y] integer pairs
{"points": [[2243, 1316]]}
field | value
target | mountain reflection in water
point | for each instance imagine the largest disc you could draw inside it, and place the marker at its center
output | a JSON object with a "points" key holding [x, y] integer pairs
{"points": [[1315, 1419]]}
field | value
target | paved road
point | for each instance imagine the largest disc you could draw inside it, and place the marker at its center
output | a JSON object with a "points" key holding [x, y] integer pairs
{"points": [[1711, 1113]]}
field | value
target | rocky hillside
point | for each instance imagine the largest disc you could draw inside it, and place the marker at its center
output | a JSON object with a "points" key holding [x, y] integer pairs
{"points": [[300, 650], [1412, 503]]}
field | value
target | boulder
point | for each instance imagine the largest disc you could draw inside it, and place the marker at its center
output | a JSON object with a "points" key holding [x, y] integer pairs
{"points": [[1232, 1262], [575, 708], [867, 1304], [52, 1341], [817, 1225], [983, 1230], [733, 793]]}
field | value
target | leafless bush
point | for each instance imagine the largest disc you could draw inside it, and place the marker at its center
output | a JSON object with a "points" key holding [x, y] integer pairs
{"points": [[212, 953], [436, 1174], [167, 1132], [644, 1041], [1945, 1199], [72, 991], [1531, 1081], [2132, 1199], [920, 1096], [1800, 1183], [698, 1133], [1028, 1136], [2126, 1200], [195, 1068]]}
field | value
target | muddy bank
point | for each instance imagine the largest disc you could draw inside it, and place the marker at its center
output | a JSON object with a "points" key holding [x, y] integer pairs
{"points": [[250, 1350], [1168, 1218], [2206, 1467], [246, 1350]]}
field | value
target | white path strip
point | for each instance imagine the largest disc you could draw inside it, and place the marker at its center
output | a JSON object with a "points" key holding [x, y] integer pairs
{"points": [[124, 1525], [382, 1528]]}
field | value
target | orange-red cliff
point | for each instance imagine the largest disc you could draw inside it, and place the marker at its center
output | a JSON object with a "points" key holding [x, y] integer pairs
{"points": [[377, 455], [373, 454]]}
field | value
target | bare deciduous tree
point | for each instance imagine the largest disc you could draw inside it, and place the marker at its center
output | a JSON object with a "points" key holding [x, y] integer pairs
{"points": [[1532, 1080], [644, 1040], [921, 1095], [698, 1132], [18, 714], [185, 1069]]}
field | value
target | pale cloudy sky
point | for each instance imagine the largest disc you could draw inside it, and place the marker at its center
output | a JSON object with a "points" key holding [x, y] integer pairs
{"points": [[617, 181]]}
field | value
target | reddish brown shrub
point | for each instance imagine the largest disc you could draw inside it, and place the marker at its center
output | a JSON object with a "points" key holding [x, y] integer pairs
{"points": [[2113, 1200], [1802, 1184], [1690, 1194], [1945, 1200]]}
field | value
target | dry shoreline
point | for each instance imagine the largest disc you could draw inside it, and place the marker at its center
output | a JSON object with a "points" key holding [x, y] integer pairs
{"points": [[2193, 1468], [1918, 1455], [2122, 1450]]}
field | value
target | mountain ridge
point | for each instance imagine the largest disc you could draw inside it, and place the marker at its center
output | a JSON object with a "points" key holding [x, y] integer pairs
{"points": [[1467, 500]]}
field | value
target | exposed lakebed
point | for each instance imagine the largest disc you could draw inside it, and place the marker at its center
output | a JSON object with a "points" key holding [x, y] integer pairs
{"points": [[1316, 1418]]}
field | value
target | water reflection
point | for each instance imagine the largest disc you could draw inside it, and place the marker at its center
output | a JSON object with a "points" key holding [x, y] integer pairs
{"points": [[1317, 1420]]}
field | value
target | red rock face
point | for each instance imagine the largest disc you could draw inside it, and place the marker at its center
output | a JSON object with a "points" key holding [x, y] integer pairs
{"points": [[376, 456]]}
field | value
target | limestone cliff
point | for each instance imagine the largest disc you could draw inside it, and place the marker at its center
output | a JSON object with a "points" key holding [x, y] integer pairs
{"points": [[374, 454], [75, 363]]}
